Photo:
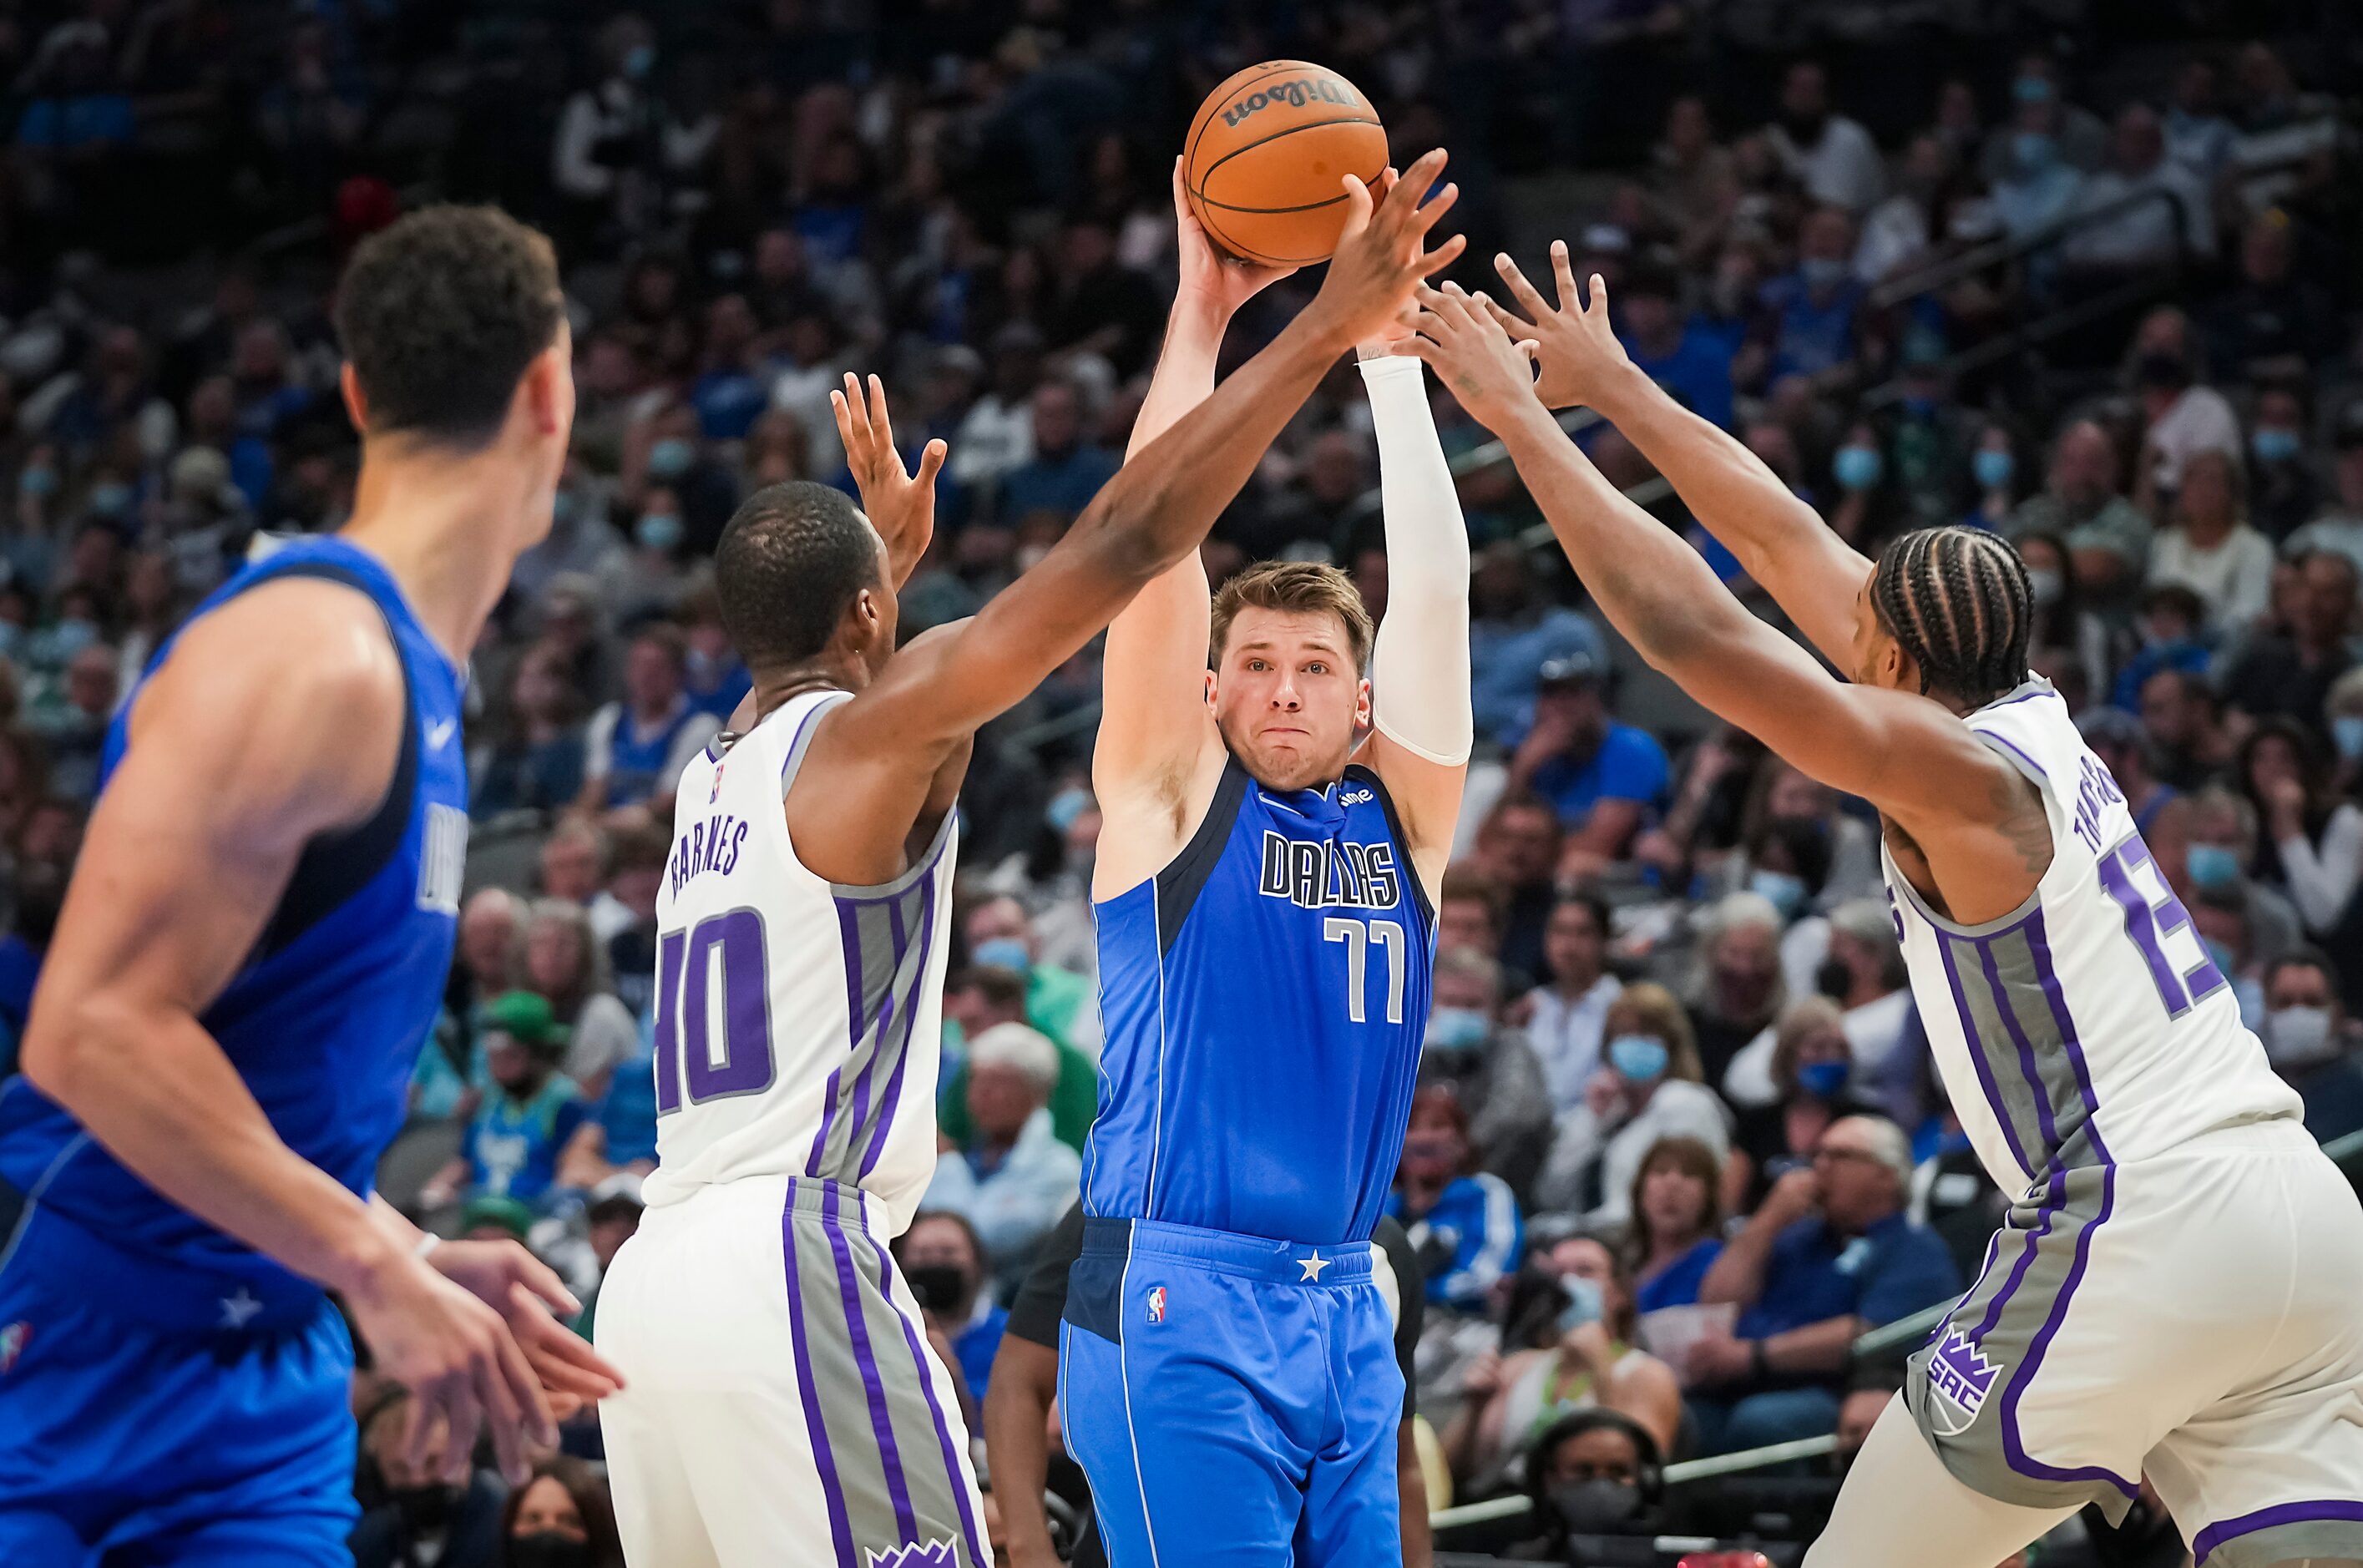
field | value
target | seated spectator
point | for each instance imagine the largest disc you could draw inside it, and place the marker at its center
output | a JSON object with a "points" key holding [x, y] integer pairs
{"points": [[2313, 1044], [1695, 367], [2116, 738], [638, 746], [612, 1218], [641, 853], [2206, 846], [2182, 415], [1594, 1474], [567, 967], [620, 1136], [528, 1114], [2139, 233], [1830, 1255], [411, 1510], [561, 1517], [2274, 321], [976, 999], [1676, 1229], [1566, 1017], [2066, 630], [1468, 911], [2340, 530], [2313, 841], [1519, 851], [717, 678], [944, 1263], [73, 723], [2040, 104], [1463, 1224], [1512, 632], [2209, 547], [1582, 1357], [1604, 778], [2344, 709], [2222, 922], [1060, 1002], [1833, 157], [2284, 490], [535, 761], [1649, 1087], [2036, 184], [2289, 671], [1860, 968], [1487, 1065], [1811, 1068], [2166, 682], [1815, 311], [1065, 471], [1737, 988], [2107, 536], [1012, 1178]]}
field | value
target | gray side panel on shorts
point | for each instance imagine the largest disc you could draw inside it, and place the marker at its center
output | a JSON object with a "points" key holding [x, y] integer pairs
{"points": [[2004, 991], [2328, 1543], [1965, 1386], [932, 1468]]}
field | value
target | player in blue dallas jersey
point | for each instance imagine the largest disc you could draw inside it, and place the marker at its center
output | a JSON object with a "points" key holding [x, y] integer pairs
{"points": [[251, 953], [1264, 896]]}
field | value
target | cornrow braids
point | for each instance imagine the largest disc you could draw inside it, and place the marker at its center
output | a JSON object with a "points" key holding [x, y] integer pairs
{"points": [[1957, 599]]}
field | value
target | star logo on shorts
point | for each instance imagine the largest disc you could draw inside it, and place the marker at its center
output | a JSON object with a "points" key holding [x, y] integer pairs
{"points": [[239, 1310], [1313, 1267]]}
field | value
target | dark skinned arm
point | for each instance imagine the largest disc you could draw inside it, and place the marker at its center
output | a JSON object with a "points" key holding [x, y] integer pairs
{"points": [[1018, 1400]]}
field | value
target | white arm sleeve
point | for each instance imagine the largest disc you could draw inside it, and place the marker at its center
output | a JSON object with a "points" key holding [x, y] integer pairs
{"points": [[1419, 669]]}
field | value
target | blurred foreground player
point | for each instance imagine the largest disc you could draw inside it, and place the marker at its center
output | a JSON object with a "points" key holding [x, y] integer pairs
{"points": [[784, 1406], [255, 941]]}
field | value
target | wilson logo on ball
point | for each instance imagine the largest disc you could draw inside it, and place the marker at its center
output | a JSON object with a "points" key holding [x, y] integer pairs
{"points": [[1295, 95]]}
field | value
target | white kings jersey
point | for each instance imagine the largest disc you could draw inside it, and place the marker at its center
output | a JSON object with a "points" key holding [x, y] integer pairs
{"points": [[799, 1021], [2090, 1025]]}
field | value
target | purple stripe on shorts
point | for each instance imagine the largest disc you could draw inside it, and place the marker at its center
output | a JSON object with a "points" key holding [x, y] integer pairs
{"points": [[880, 1420], [2280, 1514], [2026, 1066], [896, 939], [840, 1530], [892, 1100], [2053, 1201], [1977, 1057], [2046, 974], [955, 1473], [849, 928]]}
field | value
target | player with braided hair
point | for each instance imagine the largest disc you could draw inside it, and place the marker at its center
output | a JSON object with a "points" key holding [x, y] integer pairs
{"points": [[2173, 1295]]}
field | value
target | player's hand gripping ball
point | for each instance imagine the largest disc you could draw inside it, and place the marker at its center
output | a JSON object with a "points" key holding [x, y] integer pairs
{"points": [[1264, 167]]}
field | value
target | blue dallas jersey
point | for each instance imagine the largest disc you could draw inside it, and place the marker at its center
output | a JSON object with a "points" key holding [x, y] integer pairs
{"points": [[326, 1018], [1264, 997]]}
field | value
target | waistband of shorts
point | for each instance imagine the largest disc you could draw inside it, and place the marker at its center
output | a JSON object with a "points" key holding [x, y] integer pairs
{"points": [[76, 1263], [1224, 1252]]}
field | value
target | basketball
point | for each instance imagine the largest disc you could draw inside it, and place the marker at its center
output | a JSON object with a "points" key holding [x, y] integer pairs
{"points": [[1264, 156]]}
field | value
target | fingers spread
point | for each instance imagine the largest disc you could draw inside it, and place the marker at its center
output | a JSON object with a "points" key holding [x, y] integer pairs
{"points": [[1442, 256], [1563, 270], [1424, 217], [1599, 305], [538, 1279], [931, 460], [878, 416], [1357, 206], [1524, 293]]}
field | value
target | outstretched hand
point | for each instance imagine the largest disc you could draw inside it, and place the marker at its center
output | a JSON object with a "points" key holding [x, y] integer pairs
{"points": [[527, 1292], [1490, 375], [1382, 256], [1224, 281], [902, 507], [1576, 350]]}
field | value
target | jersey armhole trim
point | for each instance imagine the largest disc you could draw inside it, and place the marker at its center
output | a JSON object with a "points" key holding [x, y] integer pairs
{"points": [[1402, 839], [1184, 876]]}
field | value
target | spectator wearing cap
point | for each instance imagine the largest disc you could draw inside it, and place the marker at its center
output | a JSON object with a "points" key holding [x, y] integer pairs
{"points": [[2116, 738], [1649, 1086], [1512, 632], [2082, 503], [2209, 547], [1488, 1066], [2289, 672], [2341, 527], [1013, 1178], [1695, 367], [1566, 1019], [1463, 1222], [1832, 156], [527, 1117], [2313, 1043], [638, 746], [1829, 1255], [1603, 777]]}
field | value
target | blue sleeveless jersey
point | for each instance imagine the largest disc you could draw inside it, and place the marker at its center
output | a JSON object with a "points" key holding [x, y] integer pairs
{"points": [[325, 1020], [1264, 997]]}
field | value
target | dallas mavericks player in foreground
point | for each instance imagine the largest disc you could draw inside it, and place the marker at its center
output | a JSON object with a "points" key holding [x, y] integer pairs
{"points": [[254, 945], [783, 1406], [2176, 1290], [1265, 910]]}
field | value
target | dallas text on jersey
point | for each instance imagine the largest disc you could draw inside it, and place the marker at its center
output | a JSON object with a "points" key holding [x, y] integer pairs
{"points": [[1323, 874]]}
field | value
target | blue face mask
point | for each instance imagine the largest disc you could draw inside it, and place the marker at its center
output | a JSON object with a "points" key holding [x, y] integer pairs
{"points": [[2224, 958], [2212, 867], [1787, 893], [639, 61], [1003, 952], [110, 500], [2274, 445], [1823, 1080], [2032, 89], [670, 458], [69, 638], [1822, 272], [1065, 806], [563, 507], [1994, 468], [2346, 734], [1857, 468], [2035, 150], [1457, 1028], [38, 481], [658, 530], [1638, 1058], [1584, 1304]]}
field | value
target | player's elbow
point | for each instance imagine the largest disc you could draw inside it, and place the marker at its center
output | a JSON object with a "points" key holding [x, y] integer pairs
{"points": [[73, 1049]]}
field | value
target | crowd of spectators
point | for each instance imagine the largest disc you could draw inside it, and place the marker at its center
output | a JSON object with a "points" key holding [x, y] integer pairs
{"points": [[1678, 1140]]}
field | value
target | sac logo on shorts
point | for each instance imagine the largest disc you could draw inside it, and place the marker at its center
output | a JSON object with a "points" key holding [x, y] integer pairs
{"points": [[915, 1554], [1959, 1379], [1157, 1304]]}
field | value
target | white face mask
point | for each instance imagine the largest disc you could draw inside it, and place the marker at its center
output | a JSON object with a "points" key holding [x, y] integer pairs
{"points": [[2297, 1035]]}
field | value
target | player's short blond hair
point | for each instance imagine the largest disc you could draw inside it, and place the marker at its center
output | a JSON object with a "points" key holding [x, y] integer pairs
{"points": [[1297, 587]]}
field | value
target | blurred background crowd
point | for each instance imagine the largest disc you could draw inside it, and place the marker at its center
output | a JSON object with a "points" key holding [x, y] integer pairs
{"points": [[2077, 270]]}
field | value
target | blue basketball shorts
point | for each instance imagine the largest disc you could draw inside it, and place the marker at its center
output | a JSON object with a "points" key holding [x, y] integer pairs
{"points": [[1235, 1401]]}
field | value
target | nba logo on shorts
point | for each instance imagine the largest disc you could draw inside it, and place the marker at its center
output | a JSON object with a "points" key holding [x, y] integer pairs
{"points": [[1157, 1304], [1959, 1379]]}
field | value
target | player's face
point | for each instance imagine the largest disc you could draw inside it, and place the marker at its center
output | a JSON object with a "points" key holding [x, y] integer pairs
{"points": [[1288, 697], [1878, 658], [877, 614]]}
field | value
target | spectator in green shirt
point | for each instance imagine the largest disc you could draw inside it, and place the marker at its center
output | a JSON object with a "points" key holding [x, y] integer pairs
{"points": [[1058, 1002], [976, 999]]}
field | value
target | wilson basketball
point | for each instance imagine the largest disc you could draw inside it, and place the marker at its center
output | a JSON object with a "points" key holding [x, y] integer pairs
{"points": [[1266, 156]]}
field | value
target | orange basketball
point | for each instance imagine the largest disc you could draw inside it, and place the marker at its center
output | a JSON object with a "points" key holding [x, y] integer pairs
{"points": [[1266, 155]]}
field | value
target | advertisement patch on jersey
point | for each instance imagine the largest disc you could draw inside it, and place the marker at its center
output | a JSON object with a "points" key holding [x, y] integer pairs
{"points": [[1959, 1380], [1157, 1304]]}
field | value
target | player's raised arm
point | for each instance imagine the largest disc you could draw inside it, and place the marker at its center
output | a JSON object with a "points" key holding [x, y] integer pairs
{"points": [[1917, 762], [1422, 718], [1782, 543], [1155, 733], [239, 756]]}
